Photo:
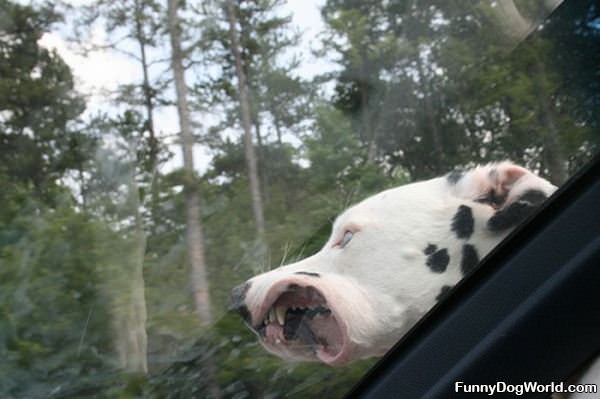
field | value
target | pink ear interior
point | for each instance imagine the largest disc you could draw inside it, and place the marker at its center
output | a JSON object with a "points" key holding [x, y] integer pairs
{"points": [[508, 175]]}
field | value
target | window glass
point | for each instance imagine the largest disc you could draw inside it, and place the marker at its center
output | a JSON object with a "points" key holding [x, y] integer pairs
{"points": [[155, 155]]}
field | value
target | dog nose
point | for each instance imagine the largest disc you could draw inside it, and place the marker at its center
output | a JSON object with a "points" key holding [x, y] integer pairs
{"points": [[238, 297]]}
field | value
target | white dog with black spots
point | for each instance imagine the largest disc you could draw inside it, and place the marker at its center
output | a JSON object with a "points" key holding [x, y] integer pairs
{"points": [[388, 260]]}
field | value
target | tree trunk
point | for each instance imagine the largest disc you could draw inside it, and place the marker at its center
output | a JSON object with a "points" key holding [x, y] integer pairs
{"points": [[128, 295], [258, 135], [83, 188], [437, 150], [130, 322], [277, 128], [194, 234], [368, 131], [272, 108], [149, 105], [552, 155], [263, 173], [280, 158], [257, 205], [436, 140]]}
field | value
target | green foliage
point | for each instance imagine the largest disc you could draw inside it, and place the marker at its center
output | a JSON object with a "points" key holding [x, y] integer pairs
{"points": [[38, 103], [450, 87], [279, 98], [53, 303], [86, 219], [337, 159], [247, 371]]}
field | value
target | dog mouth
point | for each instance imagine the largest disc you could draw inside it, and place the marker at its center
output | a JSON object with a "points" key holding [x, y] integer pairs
{"points": [[298, 322]]}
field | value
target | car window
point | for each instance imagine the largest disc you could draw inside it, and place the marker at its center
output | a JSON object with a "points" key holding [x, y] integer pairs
{"points": [[158, 157]]}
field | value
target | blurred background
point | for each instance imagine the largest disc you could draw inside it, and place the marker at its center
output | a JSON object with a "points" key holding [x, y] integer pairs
{"points": [[156, 153]]}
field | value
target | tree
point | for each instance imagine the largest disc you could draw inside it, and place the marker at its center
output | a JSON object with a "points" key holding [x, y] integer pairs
{"points": [[124, 278], [88, 273], [38, 141], [134, 26], [364, 35], [51, 304], [500, 94], [287, 99], [244, 101], [194, 234], [277, 101]]}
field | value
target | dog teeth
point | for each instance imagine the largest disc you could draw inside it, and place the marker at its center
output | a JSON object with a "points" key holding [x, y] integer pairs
{"points": [[280, 313], [277, 314]]}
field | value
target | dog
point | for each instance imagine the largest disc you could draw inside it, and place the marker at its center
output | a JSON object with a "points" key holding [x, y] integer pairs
{"points": [[388, 260]]}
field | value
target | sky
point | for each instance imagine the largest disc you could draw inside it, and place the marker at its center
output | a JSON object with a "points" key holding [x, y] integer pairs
{"points": [[100, 72]]}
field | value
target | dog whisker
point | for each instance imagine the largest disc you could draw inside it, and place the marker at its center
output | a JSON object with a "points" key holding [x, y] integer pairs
{"points": [[286, 250]]}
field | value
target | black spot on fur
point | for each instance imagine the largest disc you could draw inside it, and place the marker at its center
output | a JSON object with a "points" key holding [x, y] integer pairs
{"points": [[470, 258], [238, 296], [430, 249], [510, 216], [534, 197], [454, 176], [462, 222], [516, 212], [492, 198], [309, 274], [438, 261], [443, 293]]}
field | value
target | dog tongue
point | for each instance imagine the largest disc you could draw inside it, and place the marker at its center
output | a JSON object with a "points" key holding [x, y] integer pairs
{"points": [[328, 330], [274, 332], [296, 327]]}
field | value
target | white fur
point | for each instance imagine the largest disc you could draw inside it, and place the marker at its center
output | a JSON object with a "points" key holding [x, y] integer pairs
{"points": [[379, 283]]}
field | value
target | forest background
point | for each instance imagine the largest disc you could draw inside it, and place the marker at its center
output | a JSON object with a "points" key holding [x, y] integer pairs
{"points": [[120, 240]]}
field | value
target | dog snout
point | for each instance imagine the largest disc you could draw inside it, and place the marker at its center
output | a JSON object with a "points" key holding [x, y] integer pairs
{"points": [[238, 300]]}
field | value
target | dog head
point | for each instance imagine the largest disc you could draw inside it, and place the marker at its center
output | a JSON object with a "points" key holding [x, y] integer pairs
{"points": [[387, 261]]}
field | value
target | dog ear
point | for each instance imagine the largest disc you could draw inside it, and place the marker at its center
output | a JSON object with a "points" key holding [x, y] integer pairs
{"points": [[488, 184], [513, 191], [501, 180], [505, 175], [523, 197]]}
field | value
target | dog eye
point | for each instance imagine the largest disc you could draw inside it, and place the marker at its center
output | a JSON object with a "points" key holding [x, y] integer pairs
{"points": [[346, 239]]}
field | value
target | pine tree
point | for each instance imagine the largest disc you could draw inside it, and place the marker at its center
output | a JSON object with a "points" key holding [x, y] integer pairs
{"points": [[244, 101], [194, 234], [364, 37], [38, 105], [135, 30], [271, 103]]}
